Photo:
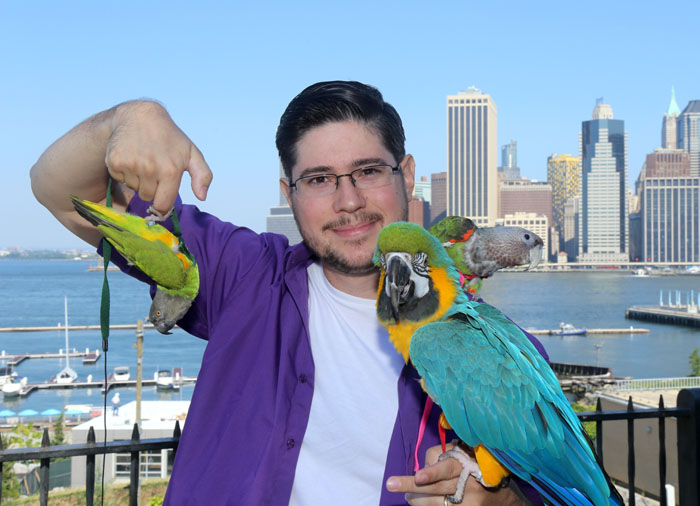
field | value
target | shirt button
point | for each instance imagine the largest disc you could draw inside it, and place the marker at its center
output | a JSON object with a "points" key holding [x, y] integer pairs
{"points": [[302, 378], [290, 443]]}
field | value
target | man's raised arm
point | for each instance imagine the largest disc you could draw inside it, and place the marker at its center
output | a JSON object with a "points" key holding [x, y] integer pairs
{"points": [[138, 144]]}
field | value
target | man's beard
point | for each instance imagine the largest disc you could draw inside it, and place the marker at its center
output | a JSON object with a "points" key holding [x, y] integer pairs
{"points": [[331, 257]]}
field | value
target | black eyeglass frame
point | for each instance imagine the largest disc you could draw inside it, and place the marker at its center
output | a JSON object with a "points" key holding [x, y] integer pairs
{"points": [[337, 177]]}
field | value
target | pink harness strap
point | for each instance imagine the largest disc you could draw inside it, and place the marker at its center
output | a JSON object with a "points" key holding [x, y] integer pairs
{"points": [[421, 430]]}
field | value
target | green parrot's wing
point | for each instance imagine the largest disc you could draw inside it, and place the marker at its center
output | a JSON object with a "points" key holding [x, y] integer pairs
{"points": [[497, 390], [154, 258], [453, 228]]}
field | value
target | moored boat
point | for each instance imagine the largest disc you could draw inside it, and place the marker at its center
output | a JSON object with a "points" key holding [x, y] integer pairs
{"points": [[566, 329]]}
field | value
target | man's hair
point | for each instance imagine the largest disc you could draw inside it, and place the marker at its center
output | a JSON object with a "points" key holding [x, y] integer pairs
{"points": [[334, 101]]}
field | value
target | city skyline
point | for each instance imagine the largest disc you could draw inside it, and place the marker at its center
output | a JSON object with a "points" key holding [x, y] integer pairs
{"points": [[226, 72]]}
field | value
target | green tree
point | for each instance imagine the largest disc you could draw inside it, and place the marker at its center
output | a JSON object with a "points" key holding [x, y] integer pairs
{"points": [[10, 483], [694, 360], [59, 437]]}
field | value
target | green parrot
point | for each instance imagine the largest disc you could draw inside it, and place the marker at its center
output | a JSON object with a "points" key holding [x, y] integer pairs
{"points": [[478, 252], [496, 390], [156, 252]]}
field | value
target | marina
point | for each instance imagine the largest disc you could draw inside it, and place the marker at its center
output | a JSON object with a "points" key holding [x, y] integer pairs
{"points": [[14, 359], [557, 332]]}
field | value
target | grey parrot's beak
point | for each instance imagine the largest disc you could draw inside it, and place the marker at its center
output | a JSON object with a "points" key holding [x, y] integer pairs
{"points": [[398, 279], [535, 257]]}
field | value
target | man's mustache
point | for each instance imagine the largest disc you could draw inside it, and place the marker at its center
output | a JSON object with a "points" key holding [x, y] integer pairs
{"points": [[354, 220]]}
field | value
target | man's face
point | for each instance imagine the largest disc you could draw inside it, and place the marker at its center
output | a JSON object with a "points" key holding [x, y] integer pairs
{"points": [[342, 228]]}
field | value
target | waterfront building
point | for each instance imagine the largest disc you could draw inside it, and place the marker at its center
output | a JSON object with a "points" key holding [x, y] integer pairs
{"points": [[562, 176], [668, 127], [524, 195], [603, 222], [536, 223], [419, 212], [281, 219], [472, 150], [509, 161], [667, 163], [438, 196], [688, 134], [669, 219], [569, 238], [421, 190]]}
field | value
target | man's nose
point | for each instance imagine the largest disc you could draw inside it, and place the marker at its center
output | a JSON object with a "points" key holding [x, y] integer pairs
{"points": [[347, 197]]}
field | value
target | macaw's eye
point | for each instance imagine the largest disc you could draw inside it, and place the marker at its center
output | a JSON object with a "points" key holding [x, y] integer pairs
{"points": [[420, 263], [158, 313]]}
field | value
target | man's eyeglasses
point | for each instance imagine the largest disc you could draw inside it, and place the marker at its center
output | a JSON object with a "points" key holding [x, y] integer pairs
{"points": [[320, 185]]}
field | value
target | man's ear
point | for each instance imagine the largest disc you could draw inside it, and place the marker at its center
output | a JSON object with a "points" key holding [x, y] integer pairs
{"points": [[284, 186], [408, 169]]}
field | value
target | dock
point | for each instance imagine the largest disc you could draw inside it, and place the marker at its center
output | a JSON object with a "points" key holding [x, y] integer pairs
{"points": [[111, 383], [13, 360], [678, 315], [128, 326], [630, 330], [579, 378]]}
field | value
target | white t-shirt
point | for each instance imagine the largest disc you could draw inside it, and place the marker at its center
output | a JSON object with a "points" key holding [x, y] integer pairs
{"points": [[355, 400]]}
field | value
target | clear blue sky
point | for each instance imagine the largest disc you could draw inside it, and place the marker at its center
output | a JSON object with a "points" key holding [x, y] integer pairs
{"points": [[226, 74]]}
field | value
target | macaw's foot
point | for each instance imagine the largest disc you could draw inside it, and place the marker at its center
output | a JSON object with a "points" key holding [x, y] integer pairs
{"points": [[469, 467], [155, 215]]}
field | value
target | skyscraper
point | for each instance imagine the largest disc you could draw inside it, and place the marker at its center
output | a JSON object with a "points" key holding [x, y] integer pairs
{"points": [[688, 132], [668, 127], [281, 219], [472, 150], [509, 161], [438, 196], [603, 223], [562, 175]]}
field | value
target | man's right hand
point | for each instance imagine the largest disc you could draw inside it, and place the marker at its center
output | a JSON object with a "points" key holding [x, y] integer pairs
{"points": [[138, 144], [149, 153]]}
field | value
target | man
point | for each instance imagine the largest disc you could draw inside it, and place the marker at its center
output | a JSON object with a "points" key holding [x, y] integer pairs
{"points": [[116, 402], [285, 325]]}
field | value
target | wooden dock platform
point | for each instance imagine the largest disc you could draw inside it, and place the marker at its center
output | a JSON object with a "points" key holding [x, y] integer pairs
{"points": [[630, 330], [678, 315], [128, 326], [89, 357], [111, 383]]}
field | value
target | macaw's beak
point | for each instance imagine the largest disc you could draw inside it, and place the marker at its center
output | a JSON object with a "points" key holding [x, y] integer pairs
{"points": [[398, 283]]}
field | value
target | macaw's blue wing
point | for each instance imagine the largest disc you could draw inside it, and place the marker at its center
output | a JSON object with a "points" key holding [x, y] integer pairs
{"points": [[495, 389]]}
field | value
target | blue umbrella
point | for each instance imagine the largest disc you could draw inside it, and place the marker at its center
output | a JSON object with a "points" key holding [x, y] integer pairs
{"points": [[7, 412], [28, 412], [50, 412], [74, 411]]}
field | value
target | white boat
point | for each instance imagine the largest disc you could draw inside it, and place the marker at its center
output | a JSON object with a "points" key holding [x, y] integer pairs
{"points": [[640, 273], [12, 388], [566, 329], [164, 380], [7, 373], [66, 375], [121, 373]]}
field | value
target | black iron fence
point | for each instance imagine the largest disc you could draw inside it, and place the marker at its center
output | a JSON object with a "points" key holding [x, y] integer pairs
{"points": [[686, 413]]}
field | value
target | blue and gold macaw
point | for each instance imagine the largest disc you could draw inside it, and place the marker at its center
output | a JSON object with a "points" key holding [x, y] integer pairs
{"points": [[495, 389]]}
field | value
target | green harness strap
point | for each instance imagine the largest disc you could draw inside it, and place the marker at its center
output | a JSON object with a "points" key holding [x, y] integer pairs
{"points": [[104, 303]]}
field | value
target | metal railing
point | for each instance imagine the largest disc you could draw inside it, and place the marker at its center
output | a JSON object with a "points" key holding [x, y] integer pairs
{"points": [[686, 413], [657, 384], [90, 449]]}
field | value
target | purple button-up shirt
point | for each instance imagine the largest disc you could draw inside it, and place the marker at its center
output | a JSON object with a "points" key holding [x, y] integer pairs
{"points": [[252, 400]]}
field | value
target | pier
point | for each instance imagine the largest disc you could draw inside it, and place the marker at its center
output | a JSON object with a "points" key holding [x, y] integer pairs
{"points": [[630, 330], [128, 326], [111, 383], [670, 310], [13, 360]]}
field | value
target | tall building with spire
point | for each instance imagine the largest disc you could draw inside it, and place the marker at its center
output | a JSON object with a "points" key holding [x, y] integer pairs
{"points": [[668, 127], [603, 221], [688, 132], [509, 161], [472, 156]]}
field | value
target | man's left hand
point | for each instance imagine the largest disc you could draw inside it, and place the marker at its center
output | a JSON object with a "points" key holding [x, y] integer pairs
{"points": [[431, 484]]}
